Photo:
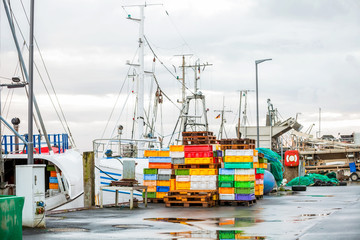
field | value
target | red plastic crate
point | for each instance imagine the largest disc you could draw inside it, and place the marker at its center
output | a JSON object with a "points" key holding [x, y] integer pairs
{"points": [[198, 148], [199, 154], [259, 176]]}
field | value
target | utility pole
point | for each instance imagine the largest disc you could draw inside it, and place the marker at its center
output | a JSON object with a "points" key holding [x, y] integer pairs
{"points": [[223, 120], [243, 93]]}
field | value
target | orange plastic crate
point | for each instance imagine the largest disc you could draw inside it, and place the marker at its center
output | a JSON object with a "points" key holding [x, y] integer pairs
{"points": [[150, 183], [226, 190], [160, 165], [151, 153], [183, 185], [151, 189], [244, 178], [172, 184], [53, 185], [262, 165], [255, 165], [164, 154], [165, 183], [176, 148], [52, 173]]}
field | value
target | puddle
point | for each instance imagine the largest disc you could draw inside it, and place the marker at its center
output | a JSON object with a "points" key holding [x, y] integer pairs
{"points": [[54, 218], [132, 226], [67, 230], [220, 234], [302, 201], [310, 216]]}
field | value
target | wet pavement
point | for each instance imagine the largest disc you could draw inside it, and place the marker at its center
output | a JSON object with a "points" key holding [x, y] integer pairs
{"points": [[320, 212]]}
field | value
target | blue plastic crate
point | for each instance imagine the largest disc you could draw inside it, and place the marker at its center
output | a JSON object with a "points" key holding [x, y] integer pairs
{"points": [[162, 189], [219, 153], [352, 166], [150, 176], [159, 159], [226, 171], [53, 180]]}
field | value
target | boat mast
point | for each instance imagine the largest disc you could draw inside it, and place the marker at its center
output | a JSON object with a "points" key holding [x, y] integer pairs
{"points": [[140, 85], [22, 62]]}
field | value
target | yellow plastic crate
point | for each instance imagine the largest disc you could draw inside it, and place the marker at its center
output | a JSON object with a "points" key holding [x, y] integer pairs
{"points": [[244, 178], [161, 194], [207, 160], [165, 183], [151, 153], [262, 165], [259, 187], [176, 148], [163, 153], [150, 183], [238, 159], [225, 190], [183, 185], [259, 192], [256, 165], [203, 171]]}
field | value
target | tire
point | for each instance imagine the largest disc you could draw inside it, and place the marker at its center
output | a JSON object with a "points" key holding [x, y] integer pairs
{"points": [[298, 188], [354, 177], [342, 183]]}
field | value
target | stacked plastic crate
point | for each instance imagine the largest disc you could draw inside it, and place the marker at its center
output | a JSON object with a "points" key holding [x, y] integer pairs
{"points": [[237, 177], [158, 176], [260, 167], [196, 170]]}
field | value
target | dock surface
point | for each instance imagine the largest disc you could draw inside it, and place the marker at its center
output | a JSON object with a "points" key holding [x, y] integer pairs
{"points": [[318, 213]]}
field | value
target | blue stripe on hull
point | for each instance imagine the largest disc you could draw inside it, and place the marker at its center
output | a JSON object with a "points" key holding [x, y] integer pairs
{"points": [[111, 173]]}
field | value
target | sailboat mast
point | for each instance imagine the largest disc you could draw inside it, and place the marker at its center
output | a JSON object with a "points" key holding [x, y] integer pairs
{"points": [[140, 87], [30, 149]]}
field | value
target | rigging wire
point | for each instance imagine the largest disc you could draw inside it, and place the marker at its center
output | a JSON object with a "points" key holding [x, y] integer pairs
{"points": [[118, 97], [51, 84]]}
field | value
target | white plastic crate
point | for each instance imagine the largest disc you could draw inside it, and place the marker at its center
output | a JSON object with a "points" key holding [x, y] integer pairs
{"points": [[183, 178], [198, 185], [164, 171], [259, 181], [177, 154], [201, 178], [204, 234], [227, 196], [240, 171], [255, 159]]}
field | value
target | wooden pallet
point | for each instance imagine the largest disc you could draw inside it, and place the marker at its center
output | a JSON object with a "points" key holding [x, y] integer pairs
{"points": [[209, 193], [203, 133], [238, 146], [237, 203], [187, 198], [190, 204], [155, 200], [236, 141], [188, 166], [199, 142]]}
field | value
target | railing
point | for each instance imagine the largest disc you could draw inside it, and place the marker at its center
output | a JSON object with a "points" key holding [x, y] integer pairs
{"points": [[123, 147], [59, 143]]}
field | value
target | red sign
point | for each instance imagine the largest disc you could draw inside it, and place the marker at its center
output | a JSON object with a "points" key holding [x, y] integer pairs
{"points": [[291, 158]]}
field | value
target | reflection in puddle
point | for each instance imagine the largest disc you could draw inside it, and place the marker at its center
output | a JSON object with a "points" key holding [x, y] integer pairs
{"points": [[309, 216], [221, 234], [131, 226], [319, 195]]}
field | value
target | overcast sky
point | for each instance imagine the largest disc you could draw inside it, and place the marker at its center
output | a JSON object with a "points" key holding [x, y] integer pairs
{"points": [[86, 43]]}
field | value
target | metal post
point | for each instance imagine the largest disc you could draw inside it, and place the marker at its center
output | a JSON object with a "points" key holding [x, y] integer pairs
{"points": [[257, 107], [30, 152]]}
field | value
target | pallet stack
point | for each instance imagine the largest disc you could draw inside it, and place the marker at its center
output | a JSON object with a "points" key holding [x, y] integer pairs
{"points": [[196, 170], [237, 177], [158, 176], [260, 167]]}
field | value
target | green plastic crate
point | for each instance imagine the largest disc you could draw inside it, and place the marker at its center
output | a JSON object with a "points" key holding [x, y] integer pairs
{"points": [[226, 178], [238, 165], [150, 194], [227, 234], [150, 171], [260, 171], [182, 171], [226, 184], [262, 160], [244, 184], [244, 190]]}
